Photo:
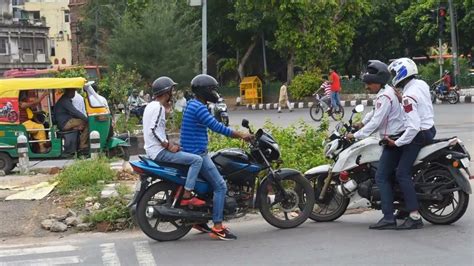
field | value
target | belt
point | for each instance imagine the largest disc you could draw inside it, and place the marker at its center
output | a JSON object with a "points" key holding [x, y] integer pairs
{"points": [[396, 136]]}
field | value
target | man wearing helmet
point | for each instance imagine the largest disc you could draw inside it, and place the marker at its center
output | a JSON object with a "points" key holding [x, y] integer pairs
{"points": [[157, 145], [419, 131], [386, 118], [194, 139]]}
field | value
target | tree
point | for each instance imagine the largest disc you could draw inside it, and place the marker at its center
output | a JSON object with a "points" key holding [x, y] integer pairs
{"points": [[162, 44]]}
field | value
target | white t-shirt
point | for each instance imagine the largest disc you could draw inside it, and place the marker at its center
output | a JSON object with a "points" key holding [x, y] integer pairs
{"points": [[78, 103], [154, 125]]}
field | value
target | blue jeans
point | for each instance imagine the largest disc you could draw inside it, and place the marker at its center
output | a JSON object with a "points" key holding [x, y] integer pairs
{"points": [[194, 161], [401, 159], [335, 100], [211, 174]]}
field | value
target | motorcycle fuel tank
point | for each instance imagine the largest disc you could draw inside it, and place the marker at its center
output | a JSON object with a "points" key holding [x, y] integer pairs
{"points": [[236, 165]]}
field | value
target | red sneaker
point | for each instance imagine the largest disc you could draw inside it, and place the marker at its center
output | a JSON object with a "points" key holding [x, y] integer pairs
{"points": [[193, 201]]}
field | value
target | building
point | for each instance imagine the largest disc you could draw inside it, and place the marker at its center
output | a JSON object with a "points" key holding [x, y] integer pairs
{"points": [[23, 38], [78, 55], [57, 17]]}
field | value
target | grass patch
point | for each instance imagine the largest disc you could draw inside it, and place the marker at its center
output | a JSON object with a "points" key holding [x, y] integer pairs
{"points": [[113, 209], [84, 174]]}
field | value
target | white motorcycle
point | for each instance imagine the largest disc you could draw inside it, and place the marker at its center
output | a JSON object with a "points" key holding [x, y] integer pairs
{"points": [[440, 174]]}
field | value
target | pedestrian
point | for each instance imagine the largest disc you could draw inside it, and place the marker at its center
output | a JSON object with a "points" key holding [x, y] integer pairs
{"points": [[335, 82], [419, 131], [388, 119], [283, 99], [194, 139], [157, 145]]}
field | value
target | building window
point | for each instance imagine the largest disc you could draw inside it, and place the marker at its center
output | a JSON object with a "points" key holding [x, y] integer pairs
{"points": [[63, 61], [56, 61], [3, 46], [66, 16], [26, 45], [53, 48], [40, 47]]}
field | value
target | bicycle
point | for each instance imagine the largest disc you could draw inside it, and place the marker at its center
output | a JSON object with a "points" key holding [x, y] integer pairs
{"points": [[321, 106]]}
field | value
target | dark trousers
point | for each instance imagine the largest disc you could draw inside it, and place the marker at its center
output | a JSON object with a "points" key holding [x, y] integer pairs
{"points": [[400, 160]]}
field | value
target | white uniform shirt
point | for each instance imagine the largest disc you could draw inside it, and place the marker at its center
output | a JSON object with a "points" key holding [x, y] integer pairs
{"points": [[78, 103], [154, 125], [419, 114], [387, 116]]}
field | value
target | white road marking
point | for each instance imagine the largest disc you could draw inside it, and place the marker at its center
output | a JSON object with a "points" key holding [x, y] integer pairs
{"points": [[144, 255], [45, 262], [109, 254], [38, 250]]}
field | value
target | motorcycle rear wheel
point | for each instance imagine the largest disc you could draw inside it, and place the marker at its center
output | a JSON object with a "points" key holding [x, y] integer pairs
{"points": [[332, 206], [453, 97], [433, 211], [297, 206], [159, 194], [339, 114]]}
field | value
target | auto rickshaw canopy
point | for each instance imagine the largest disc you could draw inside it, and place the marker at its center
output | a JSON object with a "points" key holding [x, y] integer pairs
{"points": [[11, 87]]}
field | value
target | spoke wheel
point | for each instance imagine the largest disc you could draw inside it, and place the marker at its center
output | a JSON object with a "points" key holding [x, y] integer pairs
{"points": [[316, 112], [291, 209], [453, 205], [339, 114], [453, 97], [156, 227]]}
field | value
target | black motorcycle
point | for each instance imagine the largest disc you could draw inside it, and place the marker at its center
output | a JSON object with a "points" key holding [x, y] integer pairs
{"points": [[450, 94], [254, 180]]}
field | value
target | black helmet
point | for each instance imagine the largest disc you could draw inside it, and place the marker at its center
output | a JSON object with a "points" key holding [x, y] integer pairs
{"points": [[162, 85], [377, 72], [205, 86]]}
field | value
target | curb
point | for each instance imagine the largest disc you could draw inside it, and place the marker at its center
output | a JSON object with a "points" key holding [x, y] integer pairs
{"points": [[369, 102]]}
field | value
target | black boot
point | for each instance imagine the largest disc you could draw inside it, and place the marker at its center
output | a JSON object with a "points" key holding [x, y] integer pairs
{"points": [[401, 215], [410, 223], [384, 225]]}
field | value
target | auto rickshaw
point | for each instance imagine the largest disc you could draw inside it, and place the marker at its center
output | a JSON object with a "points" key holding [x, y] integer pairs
{"points": [[62, 144]]}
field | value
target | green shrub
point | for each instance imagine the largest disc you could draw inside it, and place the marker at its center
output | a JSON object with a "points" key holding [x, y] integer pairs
{"points": [[305, 84], [123, 125], [300, 144], [84, 174], [114, 208]]}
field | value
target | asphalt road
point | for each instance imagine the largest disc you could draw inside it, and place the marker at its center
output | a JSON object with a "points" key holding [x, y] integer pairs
{"points": [[346, 241], [343, 242]]}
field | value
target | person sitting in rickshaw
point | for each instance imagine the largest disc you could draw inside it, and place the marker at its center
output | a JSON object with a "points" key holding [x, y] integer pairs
{"points": [[34, 127], [69, 118]]}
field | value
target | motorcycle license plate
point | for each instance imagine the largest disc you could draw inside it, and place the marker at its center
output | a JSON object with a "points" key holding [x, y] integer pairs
{"points": [[465, 162], [138, 186]]}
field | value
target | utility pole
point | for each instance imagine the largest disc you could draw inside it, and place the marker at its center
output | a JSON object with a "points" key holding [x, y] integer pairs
{"points": [[264, 55], [454, 42], [204, 36], [97, 35], [441, 25]]}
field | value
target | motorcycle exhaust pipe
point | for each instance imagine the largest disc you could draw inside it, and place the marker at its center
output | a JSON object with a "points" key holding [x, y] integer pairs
{"points": [[175, 213], [346, 188]]}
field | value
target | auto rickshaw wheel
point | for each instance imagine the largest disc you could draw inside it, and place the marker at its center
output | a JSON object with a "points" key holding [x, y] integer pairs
{"points": [[6, 163]]}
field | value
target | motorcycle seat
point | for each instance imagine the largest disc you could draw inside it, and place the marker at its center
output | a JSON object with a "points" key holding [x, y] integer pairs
{"points": [[165, 164], [442, 140]]}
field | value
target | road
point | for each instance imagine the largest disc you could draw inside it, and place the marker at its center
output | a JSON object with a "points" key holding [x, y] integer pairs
{"points": [[346, 241]]}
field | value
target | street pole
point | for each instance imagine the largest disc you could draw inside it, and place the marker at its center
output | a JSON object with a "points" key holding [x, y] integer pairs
{"points": [[204, 36], [440, 60], [97, 36], [454, 42], [264, 55]]}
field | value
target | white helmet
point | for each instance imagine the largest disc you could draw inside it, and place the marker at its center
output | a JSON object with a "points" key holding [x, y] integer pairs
{"points": [[401, 69]]}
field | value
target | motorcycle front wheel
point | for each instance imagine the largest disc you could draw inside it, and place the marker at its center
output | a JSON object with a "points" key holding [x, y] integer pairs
{"points": [[332, 206], [286, 211], [160, 228], [453, 205]]}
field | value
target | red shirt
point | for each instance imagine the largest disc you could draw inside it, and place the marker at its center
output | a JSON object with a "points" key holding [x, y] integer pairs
{"points": [[336, 83], [447, 80]]}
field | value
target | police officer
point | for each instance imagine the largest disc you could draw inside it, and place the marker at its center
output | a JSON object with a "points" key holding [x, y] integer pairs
{"points": [[419, 131], [387, 118]]}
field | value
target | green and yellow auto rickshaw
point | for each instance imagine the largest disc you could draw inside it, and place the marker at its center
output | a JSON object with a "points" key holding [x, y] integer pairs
{"points": [[45, 92]]}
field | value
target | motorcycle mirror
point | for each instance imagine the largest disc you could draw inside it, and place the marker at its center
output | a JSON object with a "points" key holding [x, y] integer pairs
{"points": [[245, 123], [358, 109]]}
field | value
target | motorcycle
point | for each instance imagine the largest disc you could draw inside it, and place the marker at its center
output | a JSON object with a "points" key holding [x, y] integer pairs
{"points": [[451, 94], [219, 111], [8, 112], [254, 180], [323, 105], [440, 175]]}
